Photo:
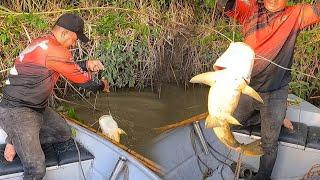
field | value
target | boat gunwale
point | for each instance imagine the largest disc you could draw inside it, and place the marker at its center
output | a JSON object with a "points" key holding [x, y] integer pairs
{"points": [[140, 158]]}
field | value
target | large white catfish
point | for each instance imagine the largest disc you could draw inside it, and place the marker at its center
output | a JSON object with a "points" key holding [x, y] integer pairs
{"points": [[231, 78], [110, 127]]}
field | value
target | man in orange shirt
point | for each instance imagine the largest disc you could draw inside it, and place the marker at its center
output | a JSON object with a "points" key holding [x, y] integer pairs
{"points": [[24, 112], [271, 29]]}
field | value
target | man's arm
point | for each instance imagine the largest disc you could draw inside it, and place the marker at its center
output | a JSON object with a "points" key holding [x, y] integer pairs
{"points": [[224, 5], [237, 9], [70, 70], [91, 65], [310, 15]]}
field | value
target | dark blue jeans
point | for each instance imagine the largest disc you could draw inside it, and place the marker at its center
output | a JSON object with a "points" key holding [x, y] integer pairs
{"points": [[271, 115], [27, 130]]}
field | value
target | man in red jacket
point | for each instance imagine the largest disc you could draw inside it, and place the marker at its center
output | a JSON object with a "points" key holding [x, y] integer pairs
{"points": [[24, 112], [271, 29]]}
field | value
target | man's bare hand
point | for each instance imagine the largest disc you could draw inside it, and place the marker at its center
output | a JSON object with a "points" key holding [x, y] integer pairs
{"points": [[106, 88], [287, 123], [94, 65], [9, 152]]}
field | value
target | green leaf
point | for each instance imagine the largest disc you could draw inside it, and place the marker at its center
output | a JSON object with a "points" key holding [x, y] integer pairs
{"points": [[209, 3], [73, 132]]}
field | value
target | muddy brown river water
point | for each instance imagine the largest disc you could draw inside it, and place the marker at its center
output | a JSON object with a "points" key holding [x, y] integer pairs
{"points": [[138, 113]]}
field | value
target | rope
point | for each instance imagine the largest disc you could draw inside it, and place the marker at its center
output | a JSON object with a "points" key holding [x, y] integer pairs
{"points": [[211, 148], [224, 164], [209, 171], [237, 172], [216, 151], [79, 158]]}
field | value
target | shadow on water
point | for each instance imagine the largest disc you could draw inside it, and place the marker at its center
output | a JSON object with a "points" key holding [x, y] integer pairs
{"points": [[138, 113]]}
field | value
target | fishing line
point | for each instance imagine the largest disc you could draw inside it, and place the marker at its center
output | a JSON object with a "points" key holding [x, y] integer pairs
{"points": [[108, 104], [288, 69]]}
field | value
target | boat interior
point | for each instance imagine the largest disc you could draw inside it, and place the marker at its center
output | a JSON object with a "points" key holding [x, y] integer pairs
{"points": [[193, 152], [89, 156]]}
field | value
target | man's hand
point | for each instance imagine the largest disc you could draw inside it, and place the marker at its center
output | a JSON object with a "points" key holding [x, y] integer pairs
{"points": [[94, 65], [9, 152], [287, 123], [106, 85]]}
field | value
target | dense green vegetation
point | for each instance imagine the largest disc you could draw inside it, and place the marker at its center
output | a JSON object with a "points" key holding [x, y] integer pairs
{"points": [[147, 43]]}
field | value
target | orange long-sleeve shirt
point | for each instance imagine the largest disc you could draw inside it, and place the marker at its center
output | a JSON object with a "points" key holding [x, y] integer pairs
{"points": [[37, 69], [272, 36]]}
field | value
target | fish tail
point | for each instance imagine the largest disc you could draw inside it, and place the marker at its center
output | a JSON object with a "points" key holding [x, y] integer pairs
{"points": [[252, 149], [225, 135]]}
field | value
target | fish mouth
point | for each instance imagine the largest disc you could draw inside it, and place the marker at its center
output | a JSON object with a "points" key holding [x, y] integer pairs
{"points": [[218, 68]]}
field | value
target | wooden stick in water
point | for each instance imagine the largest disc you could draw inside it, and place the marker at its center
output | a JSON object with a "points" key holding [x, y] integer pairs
{"points": [[182, 123], [146, 162]]}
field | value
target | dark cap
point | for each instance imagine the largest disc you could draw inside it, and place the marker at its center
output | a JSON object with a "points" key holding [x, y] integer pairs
{"points": [[74, 23]]}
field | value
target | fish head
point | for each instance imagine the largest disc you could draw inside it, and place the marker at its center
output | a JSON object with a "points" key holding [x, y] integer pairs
{"points": [[238, 59], [110, 127], [218, 68], [107, 121]]}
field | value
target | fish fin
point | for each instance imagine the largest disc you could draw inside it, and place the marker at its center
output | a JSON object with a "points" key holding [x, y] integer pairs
{"points": [[252, 149], [251, 92], [208, 78], [232, 120], [116, 137], [212, 122], [121, 131]]}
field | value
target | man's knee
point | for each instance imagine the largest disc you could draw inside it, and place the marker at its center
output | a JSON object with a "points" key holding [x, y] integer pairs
{"points": [[66, 133], [66, 137]]}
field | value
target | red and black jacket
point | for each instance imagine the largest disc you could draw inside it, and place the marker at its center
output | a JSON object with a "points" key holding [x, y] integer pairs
{"points": [[272, 36], [36, 71]]}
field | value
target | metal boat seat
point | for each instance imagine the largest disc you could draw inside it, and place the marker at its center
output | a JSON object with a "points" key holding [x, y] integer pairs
{"points": [[68, 153], [313, 139], [297, 136], [56, 154], [242, 129]]}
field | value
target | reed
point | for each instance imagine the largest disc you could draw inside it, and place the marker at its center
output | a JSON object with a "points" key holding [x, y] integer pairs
{"points": [[147, 43]]}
